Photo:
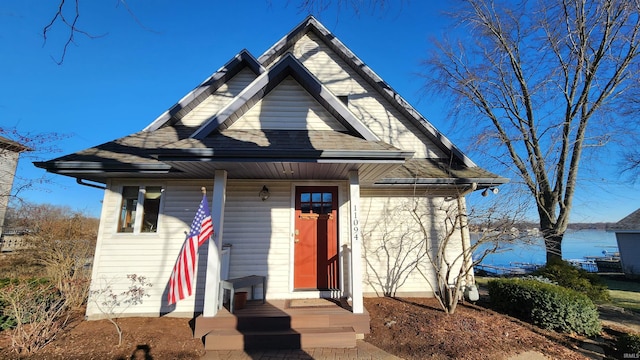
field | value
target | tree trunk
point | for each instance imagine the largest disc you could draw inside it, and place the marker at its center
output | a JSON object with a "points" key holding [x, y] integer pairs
{"points": [[553, 246]]}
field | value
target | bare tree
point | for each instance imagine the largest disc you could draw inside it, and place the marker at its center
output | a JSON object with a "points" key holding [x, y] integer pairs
{"points": [[451, 253], [62, 241], [67, 16], [428, 237], [393, 244], [548, 77], [31, 147]]}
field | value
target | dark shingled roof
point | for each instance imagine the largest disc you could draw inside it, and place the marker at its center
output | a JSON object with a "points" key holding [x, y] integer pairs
{"points": [[168, 147], [630, 223], [439, 171]]}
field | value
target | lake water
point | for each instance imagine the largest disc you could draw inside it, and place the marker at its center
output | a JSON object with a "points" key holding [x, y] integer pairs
{"points": [[575, 246]]}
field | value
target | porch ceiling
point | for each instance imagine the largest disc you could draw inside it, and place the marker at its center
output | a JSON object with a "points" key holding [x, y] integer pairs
{"points": [[369, 172]]}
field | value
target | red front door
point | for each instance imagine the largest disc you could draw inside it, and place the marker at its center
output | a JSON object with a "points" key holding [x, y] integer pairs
{"points": [[316, 238]]}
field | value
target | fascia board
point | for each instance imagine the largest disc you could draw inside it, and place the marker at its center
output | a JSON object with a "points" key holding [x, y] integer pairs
{"points": [[267, 81], [211, 84], [423, 125]]}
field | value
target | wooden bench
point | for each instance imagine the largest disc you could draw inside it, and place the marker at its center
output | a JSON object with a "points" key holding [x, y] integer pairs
{"points": [[239, 283]]}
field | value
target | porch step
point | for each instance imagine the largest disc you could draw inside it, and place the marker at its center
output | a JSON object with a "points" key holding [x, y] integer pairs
{"points": [[300, 338], [276, 325]]}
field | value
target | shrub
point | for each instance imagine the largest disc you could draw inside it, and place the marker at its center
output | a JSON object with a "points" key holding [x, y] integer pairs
{"points": [[629, 344], [569, 276], [6, 320], [546, 305], [37, 312]]}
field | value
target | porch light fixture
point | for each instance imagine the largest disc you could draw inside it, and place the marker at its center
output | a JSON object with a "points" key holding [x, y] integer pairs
{"points": [[494, 190], [264, 193]]}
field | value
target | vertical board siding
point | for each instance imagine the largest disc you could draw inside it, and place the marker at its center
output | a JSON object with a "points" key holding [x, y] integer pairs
{"points": [[394, 245], [364, 101], [212, 104], [288, 107], [629, 248]]}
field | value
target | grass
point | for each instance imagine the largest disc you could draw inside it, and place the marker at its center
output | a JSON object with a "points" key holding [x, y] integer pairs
{"points": [[624, 293]]}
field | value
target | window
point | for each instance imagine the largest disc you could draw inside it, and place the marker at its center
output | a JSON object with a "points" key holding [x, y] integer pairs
{"points": [[128, 208], [316, 202], [151, 210], [143, 202]]}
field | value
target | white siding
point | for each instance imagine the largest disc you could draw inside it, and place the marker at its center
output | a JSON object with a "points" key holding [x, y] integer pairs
{"points": [[211, 105], [365, 102], [260, 233], [394, 245], [151, 255], [288, 107]]}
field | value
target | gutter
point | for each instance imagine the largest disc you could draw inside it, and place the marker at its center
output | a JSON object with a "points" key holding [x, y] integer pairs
{"points": [[82, 182]]}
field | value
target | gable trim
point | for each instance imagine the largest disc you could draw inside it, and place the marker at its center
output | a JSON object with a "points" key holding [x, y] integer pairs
{"points": [[397, 101], [208, 87], [266, 82]]}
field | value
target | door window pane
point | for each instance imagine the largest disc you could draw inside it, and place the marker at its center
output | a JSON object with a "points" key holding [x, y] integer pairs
{"points": [[318, 203]]}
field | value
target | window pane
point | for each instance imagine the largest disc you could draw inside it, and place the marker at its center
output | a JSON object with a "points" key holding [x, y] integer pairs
{"points": [[128, 208], [326, 197], [317, 208], [316, 197], [326, 208], [305, 208], [305, 197], [151, 208]]}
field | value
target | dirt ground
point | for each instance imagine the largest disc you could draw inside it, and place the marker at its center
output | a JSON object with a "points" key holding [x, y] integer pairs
{"points": [[408, 328]]}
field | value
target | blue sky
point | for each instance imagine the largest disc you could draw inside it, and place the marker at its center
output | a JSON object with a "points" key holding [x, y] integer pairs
{"points": [[136, 68]]}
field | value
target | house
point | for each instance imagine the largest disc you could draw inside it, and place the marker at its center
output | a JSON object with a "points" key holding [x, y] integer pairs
{"points": [[9, 153], [312, 166], [627, 233]]}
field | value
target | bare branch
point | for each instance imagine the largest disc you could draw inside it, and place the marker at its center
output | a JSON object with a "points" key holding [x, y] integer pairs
{"points": [[547, 77]]}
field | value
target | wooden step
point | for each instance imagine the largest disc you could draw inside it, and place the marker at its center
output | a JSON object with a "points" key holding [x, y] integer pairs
{"points": [[232, 339], [360, 322]]}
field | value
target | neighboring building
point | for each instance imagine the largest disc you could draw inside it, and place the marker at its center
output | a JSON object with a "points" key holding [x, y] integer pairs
{"points": [[312, 164], [628, 236], [9, 155]]}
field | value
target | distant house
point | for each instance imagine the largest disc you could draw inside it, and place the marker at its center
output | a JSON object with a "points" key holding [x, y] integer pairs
{"points": [[312, 164], [628, 236], [9, 155]]}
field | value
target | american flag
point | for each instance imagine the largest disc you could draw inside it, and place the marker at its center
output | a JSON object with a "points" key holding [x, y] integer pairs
{"points": [[181, 283]]}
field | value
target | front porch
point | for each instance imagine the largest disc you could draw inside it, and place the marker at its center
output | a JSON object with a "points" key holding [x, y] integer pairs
{"points": [[283, 324]]}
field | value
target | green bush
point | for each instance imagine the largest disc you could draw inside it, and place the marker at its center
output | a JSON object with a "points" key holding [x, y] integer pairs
{"points": [[545, 305], [569, 276], [629, 344]]}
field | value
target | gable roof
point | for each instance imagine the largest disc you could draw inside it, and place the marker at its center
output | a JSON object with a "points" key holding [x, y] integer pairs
{"points": [[310, 24], [14, 146], [631, 223], [260, 87], [242, 60], [170, 148]]}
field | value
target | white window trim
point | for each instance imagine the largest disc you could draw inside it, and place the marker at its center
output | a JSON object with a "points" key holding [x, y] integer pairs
{"points": [[137, 225]]}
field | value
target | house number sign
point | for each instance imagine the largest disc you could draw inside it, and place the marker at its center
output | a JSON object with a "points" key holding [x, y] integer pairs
{"points": [[355, 224]]}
